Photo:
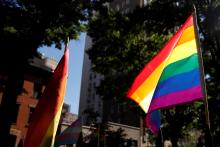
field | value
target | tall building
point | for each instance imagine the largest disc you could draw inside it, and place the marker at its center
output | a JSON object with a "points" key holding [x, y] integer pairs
{"points": [[90, 101], [35, 79]]}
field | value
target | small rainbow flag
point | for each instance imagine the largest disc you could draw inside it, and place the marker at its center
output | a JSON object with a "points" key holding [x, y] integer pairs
{"points": [[45, 119], [70, 135], [173, 76], [152, 121]]}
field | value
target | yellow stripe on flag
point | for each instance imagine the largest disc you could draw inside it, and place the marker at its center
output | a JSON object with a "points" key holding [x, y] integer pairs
{"points": [[187, 35], [49, 138], [148, 85], [182, 51]]}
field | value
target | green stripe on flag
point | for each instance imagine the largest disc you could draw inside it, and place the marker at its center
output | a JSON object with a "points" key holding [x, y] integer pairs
{"points": [[180, 66]]}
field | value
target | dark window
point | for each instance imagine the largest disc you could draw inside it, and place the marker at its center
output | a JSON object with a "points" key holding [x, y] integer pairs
{"points": [[131, 143], [31, 110], [90, 76], [37, 90], [93, 96], [134, 143], [15, 116]]}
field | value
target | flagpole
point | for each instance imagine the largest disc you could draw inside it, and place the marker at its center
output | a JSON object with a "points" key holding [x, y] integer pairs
{"points": [[161, 134], [67, 44], [98, 143], [202, 69], [202, 77], [141, 129]]}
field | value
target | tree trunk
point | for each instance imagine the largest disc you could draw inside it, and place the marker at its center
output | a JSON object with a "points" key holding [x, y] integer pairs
{"points": [[174, 141]]}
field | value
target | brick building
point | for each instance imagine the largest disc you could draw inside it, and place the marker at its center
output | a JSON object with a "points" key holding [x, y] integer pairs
{"points": [[36, 76]]}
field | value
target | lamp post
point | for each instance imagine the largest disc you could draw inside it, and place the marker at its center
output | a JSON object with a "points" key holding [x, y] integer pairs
{"points": [[98, 121]]}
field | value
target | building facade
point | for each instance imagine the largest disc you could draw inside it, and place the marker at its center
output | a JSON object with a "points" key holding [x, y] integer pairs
{"points": [[35, 79], [90, 101]]}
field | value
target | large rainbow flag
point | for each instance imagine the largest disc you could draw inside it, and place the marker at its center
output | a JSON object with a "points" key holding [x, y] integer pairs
{"points": [[45, 119], [173, 76]]}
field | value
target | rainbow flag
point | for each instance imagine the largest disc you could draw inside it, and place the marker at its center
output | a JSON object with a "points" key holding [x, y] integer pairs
{"points": [[173, 76], [70, 135], [45, 119]]}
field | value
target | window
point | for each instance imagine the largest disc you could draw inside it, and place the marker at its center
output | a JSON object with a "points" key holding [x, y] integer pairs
{"points": [[131, 143], [89, 94], [93, 96], [94, 84], [99, 104], [15, 109], [37, 90], [31, 110]]}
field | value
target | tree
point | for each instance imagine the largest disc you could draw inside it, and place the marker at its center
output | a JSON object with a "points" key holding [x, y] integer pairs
{"points": [[27, 25], [105, 136], [131, 40]]}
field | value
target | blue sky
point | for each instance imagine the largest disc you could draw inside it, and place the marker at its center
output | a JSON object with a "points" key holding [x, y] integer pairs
{"points": [[76, 49]]}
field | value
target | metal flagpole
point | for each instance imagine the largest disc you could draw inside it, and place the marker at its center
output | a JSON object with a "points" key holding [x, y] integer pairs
{"points": [[201, 69], [98, 143], [161, 135], [141, 130], [202, 77], [159, 140]]}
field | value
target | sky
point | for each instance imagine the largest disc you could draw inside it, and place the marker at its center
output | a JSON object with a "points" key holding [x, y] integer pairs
{"points": [[76, 50]]}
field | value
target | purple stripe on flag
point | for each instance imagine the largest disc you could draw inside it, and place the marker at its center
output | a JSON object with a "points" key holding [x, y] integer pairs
{"points": [[69, 136], [152, 121], [177, 98]]}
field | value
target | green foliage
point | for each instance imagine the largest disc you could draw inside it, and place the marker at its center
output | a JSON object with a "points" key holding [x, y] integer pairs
{"points": [[27, 25]]}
